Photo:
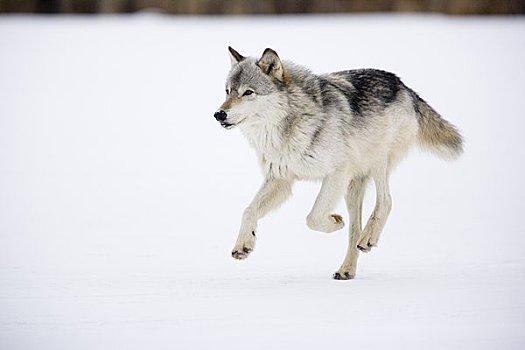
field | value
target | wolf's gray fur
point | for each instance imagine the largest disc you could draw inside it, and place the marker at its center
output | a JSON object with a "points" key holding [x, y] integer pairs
{"points": [[342, 128]]}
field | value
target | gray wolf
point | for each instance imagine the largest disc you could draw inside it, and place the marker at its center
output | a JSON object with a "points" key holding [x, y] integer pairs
{"points": [[342, 128]]}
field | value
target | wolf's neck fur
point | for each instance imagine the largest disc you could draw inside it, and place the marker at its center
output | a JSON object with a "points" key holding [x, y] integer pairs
{"points": [[276, 152]]}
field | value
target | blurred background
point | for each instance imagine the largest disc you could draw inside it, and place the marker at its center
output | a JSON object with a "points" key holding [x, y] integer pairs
{"points": [[121, 196], [239, 7]]}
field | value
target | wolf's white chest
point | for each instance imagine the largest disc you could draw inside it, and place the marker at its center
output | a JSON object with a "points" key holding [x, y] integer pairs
{"points": [[280, 157]]}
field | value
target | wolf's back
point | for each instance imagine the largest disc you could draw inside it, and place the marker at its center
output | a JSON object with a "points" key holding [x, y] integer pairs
{"points": [[435, 133]]}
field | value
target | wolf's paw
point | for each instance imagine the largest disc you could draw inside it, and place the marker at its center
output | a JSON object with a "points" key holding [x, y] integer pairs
{"points": [[366, 243], [344, 274], [241, 254], [327, 224], [244, 246], [338, 219]]}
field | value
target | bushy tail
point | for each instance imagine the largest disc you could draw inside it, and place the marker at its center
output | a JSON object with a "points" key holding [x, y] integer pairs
{"points": [[435, 133]]}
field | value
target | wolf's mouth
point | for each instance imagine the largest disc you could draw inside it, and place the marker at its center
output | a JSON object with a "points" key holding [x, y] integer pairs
{"points": [[227, 125]]}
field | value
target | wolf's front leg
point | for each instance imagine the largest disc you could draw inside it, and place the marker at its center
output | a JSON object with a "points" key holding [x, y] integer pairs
{"points": [[321, 217], [272, 193]]}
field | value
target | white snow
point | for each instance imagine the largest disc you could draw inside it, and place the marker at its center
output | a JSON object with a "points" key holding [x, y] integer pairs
{"points": [[120, 196]]}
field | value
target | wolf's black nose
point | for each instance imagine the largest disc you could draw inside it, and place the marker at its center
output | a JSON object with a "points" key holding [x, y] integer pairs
{"points": [[220, 115]]}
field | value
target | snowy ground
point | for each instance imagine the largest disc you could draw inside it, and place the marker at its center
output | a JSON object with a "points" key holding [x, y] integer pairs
{"points": [[120, 196]]}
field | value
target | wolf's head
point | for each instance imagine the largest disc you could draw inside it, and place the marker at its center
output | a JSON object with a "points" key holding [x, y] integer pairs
{"points": [[252, 90]]}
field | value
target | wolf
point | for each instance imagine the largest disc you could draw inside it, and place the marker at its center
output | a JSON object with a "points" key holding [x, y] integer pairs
{"points": [[341, 128]]}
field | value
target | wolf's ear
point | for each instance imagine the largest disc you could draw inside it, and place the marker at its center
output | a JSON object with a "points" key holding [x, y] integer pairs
{"points": [[271, 64], [235, 56]]}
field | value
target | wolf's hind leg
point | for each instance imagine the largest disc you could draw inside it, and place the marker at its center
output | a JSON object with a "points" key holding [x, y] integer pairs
{"points": [[321, 217], [377, 220], [272, 193], [354, 203]]}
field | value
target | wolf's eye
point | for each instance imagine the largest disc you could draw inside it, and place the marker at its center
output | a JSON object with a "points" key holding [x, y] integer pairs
{"points": [[248, 92]]}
